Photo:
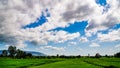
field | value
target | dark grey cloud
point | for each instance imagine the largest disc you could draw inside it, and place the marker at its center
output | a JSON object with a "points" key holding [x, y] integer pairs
{"points": [[29, 3], [4, 2], [118, 3], [2, 18], [7, 39], [80, 13], [110, 21], [91, 25]]}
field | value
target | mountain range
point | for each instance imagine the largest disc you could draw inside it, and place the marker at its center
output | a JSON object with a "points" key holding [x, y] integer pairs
{"points": [[32, 52]]}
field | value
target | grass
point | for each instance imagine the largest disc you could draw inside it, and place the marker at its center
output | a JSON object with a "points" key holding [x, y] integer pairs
{"points": [[104, 62], [69, 63], [24, 63], [60, 63]]}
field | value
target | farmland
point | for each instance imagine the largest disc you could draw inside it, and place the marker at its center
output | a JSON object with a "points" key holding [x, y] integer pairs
{"points": [[60, 63]]}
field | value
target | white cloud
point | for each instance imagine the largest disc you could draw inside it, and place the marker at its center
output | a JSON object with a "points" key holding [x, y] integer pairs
{"points": [[113, 35], [53, 48], [13, 16], [83, 39], [16, 14], [62, 36], [59, 36], [94, 45], [104, 21]]}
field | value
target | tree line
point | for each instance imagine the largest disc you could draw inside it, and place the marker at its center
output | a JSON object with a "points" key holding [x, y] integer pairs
{"points": [[17, 53], [14, 52]]}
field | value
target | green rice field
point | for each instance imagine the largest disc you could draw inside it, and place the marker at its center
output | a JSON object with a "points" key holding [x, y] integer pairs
{"points": [[60, 63]]}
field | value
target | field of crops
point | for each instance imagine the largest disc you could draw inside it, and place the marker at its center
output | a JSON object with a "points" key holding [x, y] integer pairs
{"points": [[60, 63]]}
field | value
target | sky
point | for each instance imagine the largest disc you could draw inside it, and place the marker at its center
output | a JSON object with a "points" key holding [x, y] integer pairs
{"points": [[64, 27]]}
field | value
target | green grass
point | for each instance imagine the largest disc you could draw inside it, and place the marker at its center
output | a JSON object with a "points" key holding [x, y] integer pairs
{"points": [[24, 63], [59, 63], [104, 61], [69, 63]]}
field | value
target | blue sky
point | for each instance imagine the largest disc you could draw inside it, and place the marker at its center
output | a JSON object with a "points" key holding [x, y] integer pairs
{"points": [[76, 27], [101, 2], [69, 30]]}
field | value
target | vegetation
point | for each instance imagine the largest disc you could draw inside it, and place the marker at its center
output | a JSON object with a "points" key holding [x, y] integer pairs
{"points": [[117, 54], [12, 51], [97, 55], [16, 58], [60, 63], [4, 53], [15, 53]]}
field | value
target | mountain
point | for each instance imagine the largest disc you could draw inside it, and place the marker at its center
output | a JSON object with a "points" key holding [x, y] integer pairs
{"points": [[32, 52], [35, 53], [1, 52]]}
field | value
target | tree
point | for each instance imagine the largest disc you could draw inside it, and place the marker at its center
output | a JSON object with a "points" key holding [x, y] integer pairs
{"points": [[97, 55], [57, 55], [117, 54], [20, 53], [29, 54], [4, 53], [12, 51], [88, 55]]}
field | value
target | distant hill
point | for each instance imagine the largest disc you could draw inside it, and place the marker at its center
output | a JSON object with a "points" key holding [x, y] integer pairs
{"points": [[0, 52], [32, 52], [35, 53]]}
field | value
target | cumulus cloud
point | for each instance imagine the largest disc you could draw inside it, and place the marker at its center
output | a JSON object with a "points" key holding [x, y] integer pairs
{"points": [[13, 15], [62, 36], [94, 45], [104, 21], [113, 35], [16, 14]]}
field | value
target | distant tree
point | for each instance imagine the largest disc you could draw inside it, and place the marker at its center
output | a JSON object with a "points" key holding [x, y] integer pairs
{"points": [[12, 51], [24, 54], [88, 55], [97, 55], [117, 54], [106, 55], [4, 53], [0, 55], [29, 54], [78, 56], [62, 56], [20, 53], [57, 55]]}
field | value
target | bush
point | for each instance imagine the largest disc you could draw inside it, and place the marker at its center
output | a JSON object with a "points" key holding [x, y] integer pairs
{"points": [[117, 54], [97, 55]]}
